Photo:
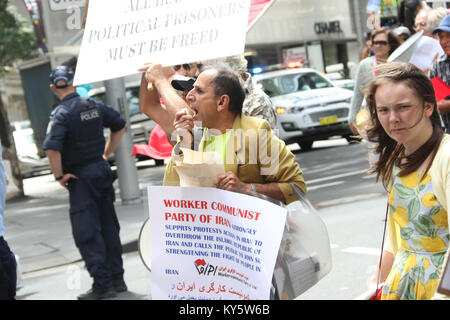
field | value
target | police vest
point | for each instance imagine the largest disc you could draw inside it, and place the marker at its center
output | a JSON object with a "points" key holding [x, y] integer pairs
{"points": [[85, 142]]}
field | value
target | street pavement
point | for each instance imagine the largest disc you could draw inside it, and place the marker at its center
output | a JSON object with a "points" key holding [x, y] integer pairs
{"points": [[38, 231]]}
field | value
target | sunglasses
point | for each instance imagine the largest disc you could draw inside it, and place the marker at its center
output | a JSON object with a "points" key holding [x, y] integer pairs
{"points": [[380, 43], [186, 66]]}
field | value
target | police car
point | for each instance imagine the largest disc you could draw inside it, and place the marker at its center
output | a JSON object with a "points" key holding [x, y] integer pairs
{"points": [[309, 107], [30, 163]]}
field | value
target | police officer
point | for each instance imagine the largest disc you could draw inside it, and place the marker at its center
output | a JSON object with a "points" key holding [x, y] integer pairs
{"points": [[77, 152]]}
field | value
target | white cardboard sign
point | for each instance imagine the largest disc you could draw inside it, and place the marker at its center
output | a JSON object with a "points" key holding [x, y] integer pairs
{"points": [[211, 244], [121, 35]]}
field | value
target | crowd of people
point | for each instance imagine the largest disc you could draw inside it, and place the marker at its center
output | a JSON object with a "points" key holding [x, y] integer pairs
{"points": [[388, 35], [198, 104]]}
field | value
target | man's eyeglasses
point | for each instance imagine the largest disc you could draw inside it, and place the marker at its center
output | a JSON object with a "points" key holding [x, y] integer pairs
{"points": [[380, 43], [186, 66]]}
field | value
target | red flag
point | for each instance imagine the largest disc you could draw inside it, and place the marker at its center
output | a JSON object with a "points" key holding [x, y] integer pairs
{"points": [[257, 10], [441, 89]]}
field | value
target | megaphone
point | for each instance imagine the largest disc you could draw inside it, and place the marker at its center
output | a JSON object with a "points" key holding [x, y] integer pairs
{"points": [[145, 245], [406, 50]]}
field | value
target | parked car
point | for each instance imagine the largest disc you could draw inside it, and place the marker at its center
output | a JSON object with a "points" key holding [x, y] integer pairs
{"points": [[344, 83], [309, 106], [31, 164], [141, 125]]}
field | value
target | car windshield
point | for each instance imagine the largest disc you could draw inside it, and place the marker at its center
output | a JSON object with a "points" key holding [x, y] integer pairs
{"points": [[350, 86], [132, 95], [290, 83]]}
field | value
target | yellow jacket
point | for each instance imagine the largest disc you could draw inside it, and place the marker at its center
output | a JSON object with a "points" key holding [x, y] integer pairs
{"points": [[248, 159]]}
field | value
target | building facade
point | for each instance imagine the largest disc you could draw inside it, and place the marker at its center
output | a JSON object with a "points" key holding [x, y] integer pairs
{"points": [[318, 32], [321, 33]]}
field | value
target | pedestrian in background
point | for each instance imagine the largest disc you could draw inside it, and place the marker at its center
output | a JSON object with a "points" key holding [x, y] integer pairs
{"points": [[402, 32], [420, 21], [384, 42], [366, 50], [8, 274], [441, 68], [407, 12], [414, 165], [188, 69], [434, 19], [76, 149]]}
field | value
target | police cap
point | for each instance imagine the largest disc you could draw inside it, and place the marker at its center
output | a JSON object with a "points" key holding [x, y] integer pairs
{"points": [[61, 77]]}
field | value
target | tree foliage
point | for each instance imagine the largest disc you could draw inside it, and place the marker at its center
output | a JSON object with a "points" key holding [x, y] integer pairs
{"points": [[17, 39]]}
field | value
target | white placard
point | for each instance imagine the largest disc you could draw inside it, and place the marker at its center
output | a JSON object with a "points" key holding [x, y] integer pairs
{"points": [[121, 35], [210, 244], [426, 52], [57, 5]]}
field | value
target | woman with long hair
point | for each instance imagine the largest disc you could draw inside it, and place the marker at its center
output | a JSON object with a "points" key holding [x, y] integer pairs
{"points": [[414, 165], [383, 42]]}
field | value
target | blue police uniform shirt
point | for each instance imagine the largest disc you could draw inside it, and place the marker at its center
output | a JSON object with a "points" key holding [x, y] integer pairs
{"points": [[2, 193], [72, 124]]}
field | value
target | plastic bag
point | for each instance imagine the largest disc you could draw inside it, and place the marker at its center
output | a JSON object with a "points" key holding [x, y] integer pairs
{"points": [[304, 256]]}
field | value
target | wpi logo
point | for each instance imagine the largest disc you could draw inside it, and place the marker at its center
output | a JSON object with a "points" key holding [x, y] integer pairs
{"points": [[204, 269]]}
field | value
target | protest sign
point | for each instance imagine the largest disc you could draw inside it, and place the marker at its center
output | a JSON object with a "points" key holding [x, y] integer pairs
{"points": [[210, 244], [425, 53], [257, 10], [120, 36]]}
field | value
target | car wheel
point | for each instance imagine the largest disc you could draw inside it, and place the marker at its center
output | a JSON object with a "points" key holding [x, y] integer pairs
{"points": [[305, 145]]}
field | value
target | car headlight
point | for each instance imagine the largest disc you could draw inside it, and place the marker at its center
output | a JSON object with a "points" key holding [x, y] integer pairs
{"points": [[281, 110]]}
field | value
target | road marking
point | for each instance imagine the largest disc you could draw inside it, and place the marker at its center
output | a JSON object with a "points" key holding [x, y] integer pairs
{"points": [[345, 200], [336, 176], [324, 185], [363, 250], [372, 176]]}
